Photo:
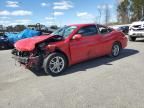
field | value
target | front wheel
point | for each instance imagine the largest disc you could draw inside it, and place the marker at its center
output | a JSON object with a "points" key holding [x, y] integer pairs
{"points": [[55, 64]]}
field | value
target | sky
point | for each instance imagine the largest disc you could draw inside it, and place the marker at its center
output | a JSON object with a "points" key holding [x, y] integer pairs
{"points": [[59, 12]]}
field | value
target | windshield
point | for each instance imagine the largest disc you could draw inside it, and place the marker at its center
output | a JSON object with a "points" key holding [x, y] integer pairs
{"points": [[64, 31]]}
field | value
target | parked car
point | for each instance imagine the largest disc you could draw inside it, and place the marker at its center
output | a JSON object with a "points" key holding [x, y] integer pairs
{"points": [[8, 39], [136, 30], [124, 29], [69, 45], [4, 43]]}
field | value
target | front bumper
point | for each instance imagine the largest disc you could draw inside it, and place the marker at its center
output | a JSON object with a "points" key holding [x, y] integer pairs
{"points": [[136, 33], [28, 61], [23, 60]]}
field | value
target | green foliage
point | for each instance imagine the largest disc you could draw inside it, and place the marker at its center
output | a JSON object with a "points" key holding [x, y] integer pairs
{"points": [[137, 9], [123, 11], [19, 28], [16, 28], [130, 10]]}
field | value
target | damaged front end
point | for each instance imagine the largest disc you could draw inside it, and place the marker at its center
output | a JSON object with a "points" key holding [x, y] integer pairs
{"points": [[29, 59], [32, 52]]}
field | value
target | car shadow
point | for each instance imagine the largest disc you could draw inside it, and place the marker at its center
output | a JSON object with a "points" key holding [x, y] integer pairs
{"points": [[92, 63]]}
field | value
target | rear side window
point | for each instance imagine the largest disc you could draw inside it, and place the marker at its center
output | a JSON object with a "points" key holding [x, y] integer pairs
{"points": [[104, 30], [88, 30]]}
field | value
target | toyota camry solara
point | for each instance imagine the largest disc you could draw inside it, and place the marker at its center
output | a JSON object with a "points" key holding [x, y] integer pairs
{"points": [[67, 46]]}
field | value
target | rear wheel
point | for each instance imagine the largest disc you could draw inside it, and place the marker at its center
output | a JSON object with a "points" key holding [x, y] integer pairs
{"points": [[132, 38], [115, 50], [55, 64]]}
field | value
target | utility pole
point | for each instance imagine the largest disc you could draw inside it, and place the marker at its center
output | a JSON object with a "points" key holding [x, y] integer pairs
{"points": [[104, 8], [99, 10], [142, 11], [107, 14], [53, 16]]}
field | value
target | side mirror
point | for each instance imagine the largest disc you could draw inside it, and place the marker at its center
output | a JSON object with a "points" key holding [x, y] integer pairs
{"points": [[77, 37]]}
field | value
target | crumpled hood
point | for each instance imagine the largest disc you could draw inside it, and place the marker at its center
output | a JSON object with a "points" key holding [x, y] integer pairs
{"points": [[28, 44]]}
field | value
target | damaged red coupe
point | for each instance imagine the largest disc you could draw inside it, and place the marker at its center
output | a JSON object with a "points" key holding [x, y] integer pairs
{"points": [[69, 45]]}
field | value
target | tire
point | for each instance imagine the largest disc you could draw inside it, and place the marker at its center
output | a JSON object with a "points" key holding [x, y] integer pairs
{"points": [[132, 38], [115, 51], [54, 64]]}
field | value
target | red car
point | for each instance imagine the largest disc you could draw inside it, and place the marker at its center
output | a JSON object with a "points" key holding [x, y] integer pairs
{"points": [[69, 45]]}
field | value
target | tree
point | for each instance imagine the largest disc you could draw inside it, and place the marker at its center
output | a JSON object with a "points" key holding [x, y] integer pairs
{"points": [[124, 11], [137, 9], [54, 27], [107, 14], [130, 10], [10, 29], [19, 28]]}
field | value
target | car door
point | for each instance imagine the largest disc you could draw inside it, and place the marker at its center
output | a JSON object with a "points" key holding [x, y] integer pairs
{"points": [[83, 49], [106, 39]]}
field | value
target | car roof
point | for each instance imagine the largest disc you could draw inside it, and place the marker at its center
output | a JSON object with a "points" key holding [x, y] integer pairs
{"points": [[81, 25]]}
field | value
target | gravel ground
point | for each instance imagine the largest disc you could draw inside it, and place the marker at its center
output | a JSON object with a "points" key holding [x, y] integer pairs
{"points": [[100, 83]]}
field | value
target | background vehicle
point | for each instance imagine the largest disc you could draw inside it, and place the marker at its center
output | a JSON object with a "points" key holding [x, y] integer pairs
{"points": [[4, 43], [136, 30], [69, 45], [124, 29], [42, 28], [8, 39]]}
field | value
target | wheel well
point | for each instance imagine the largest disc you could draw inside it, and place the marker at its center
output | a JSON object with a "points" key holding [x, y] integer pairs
{"points": [[118, 43], [59, 51]]}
